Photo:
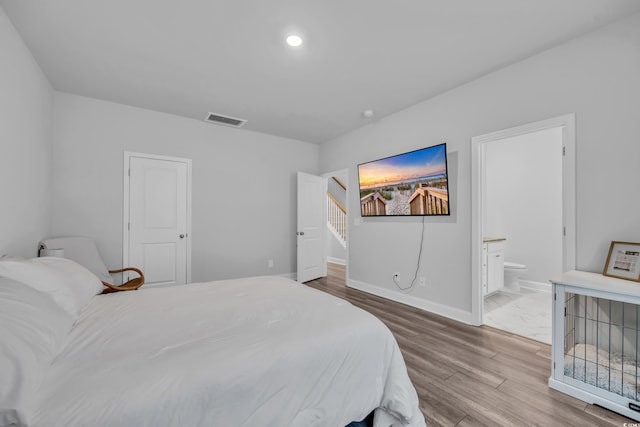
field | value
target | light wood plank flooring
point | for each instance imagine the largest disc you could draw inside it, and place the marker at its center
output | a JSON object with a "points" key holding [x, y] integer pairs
{"points": [[473, 376]]}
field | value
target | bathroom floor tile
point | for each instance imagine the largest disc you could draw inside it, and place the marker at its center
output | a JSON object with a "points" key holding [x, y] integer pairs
{"points": [[527, 313]]}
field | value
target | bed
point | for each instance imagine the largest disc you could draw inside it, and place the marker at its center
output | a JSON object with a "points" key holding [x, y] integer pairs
{"points": [[263, 351]]}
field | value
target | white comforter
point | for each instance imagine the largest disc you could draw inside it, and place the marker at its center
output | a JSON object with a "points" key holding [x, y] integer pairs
{"points": [[249, 352]]}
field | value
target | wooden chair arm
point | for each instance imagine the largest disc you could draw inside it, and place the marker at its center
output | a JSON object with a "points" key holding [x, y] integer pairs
{"points": [[131, 285]]}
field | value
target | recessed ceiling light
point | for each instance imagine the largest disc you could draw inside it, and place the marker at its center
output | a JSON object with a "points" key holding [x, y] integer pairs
{"points": [[294, 40]]}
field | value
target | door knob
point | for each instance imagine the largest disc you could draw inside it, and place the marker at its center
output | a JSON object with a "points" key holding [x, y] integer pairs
{"points": [[182, 236]]}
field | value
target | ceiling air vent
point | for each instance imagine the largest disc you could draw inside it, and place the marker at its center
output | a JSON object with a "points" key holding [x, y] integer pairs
{"points": [[219, 119]]}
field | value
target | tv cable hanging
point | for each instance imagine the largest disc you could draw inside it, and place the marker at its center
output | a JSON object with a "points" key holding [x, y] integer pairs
{"points": [[415, 276]]}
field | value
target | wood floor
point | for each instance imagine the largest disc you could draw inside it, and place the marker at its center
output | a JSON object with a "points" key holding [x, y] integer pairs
{"points": [[473, 376]]}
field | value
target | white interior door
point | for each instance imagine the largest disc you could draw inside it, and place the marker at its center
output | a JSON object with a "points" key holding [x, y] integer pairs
{"points": [[158, 219], [310, 234]]}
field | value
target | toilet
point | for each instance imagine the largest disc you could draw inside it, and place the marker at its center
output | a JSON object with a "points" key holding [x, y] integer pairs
{"points": [[512, 273]]}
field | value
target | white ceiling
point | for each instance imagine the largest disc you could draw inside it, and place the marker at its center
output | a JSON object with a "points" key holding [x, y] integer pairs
{"points": [[190, 57]]}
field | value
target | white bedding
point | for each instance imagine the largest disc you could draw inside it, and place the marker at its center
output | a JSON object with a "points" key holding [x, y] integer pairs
{"points": [[248, 352]]}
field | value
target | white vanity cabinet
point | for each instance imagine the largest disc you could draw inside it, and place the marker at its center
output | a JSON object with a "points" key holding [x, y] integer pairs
{"points": [[596, 340], [492, 265]]}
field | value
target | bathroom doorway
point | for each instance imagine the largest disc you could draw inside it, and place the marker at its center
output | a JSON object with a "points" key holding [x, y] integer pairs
{"points": [[523, 206]]}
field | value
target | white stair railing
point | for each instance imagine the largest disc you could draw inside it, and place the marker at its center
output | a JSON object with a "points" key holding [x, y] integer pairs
{"points": [[337, 219]]}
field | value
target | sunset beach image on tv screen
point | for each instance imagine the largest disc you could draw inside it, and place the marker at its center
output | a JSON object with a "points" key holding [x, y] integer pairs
{"points": [[413, 183]]}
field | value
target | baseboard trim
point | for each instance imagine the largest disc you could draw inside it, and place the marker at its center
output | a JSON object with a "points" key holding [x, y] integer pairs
{"points": [[432, 307], [292, 276], [541, 286], [339, 261]]}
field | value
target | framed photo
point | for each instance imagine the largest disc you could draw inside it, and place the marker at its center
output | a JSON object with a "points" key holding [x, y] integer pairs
{"points": [[623, 261]]}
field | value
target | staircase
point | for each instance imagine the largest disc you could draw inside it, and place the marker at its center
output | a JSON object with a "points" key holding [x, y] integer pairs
{"points": [[336, 212]]}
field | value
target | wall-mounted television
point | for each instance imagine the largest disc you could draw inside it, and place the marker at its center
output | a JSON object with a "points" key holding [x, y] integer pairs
{"points": [[409, 184]]}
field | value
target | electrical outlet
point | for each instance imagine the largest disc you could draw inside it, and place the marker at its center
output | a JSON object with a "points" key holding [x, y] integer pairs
{"points": [[270, 263], [423, 281]]}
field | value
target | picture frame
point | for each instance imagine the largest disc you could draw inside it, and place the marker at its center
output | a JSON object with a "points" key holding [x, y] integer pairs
{"points": [[623, 261]]}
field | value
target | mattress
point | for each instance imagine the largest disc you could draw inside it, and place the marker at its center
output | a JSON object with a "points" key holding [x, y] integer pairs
{"points": [[258, 351]]}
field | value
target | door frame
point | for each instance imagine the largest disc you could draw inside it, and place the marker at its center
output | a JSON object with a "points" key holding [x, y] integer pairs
{"points": [[127, 155], [568, 123]]}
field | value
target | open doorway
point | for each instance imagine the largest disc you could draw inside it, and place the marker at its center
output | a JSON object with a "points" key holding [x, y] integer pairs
{"points": [[336, 235], [322, 226], [523, 223]]}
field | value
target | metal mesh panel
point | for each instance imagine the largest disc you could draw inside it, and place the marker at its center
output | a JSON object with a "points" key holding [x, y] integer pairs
{"points": [[601, 344]]}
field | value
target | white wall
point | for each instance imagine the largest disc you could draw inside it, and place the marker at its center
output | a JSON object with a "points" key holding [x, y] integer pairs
{"points": [[523, 199], [244, 198], [25, 146], [335, 251], [597, 76]]}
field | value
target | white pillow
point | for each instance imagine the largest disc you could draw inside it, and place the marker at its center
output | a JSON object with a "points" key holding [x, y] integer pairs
{"points": [[69, 284], [83, 251], [33, 330]]}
